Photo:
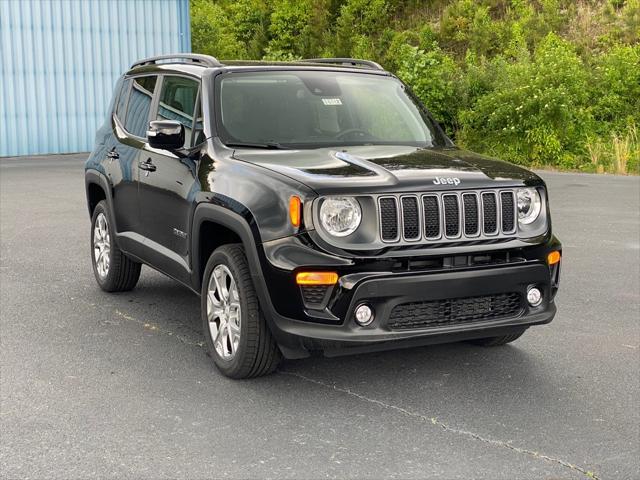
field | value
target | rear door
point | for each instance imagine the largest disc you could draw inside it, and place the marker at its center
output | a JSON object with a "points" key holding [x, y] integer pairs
{"points": [[169, 182]]}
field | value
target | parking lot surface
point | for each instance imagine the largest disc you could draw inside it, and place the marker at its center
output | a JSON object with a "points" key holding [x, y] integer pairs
{"points": [[101, 385]]}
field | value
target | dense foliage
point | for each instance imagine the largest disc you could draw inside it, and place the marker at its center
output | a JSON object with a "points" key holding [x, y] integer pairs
{"points": [[538, 82]]}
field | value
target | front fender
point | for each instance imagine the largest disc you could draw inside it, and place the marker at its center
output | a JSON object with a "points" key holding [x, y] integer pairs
{"points": [[238, 220]]}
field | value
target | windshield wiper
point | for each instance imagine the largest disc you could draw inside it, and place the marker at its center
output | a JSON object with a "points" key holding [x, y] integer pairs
{"points": [[268, 145]]}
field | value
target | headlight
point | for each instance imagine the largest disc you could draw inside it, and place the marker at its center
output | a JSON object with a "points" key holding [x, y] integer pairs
{"points": [[529, 205], [340, 216]]}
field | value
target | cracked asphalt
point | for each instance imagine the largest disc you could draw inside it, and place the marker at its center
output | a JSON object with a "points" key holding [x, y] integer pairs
{"points": [[117, 386]]}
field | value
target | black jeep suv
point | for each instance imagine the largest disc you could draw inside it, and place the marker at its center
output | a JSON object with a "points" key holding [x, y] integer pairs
{"points": [[314, 206]]}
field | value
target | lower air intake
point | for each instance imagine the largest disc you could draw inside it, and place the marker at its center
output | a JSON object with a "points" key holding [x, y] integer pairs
{"points": [[456, 311]]}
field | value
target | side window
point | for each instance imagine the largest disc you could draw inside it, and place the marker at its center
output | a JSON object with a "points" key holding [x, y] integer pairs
{"points": [[198, 129], [137, 120], [178, 102], [122, 100]]}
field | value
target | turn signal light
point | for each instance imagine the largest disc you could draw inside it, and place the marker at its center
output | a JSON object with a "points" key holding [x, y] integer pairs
{"points": [[553, 258], [317, 278], [295, 211]]}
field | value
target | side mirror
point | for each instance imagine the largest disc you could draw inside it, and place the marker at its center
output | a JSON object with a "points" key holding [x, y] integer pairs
{"points": [[166, 134]]}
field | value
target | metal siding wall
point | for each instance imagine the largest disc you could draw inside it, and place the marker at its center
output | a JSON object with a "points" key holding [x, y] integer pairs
{"points": [[59, 60]]}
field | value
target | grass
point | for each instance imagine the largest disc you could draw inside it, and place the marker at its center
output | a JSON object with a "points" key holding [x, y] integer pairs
{"points": [[618, 154]]}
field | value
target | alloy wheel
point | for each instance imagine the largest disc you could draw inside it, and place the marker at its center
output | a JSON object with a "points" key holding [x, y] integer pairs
{"points": [[223, 312], [101, 245]]}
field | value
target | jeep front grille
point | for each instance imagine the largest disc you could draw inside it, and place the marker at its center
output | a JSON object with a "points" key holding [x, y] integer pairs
{"points": [[447, 216]]}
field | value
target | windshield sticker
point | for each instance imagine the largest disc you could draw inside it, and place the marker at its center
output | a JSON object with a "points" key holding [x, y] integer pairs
{"points": [[331, 101]]}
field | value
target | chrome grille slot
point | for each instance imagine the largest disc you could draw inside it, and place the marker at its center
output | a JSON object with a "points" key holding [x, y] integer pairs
{"points": [[489, 213], [410, 218], [389, 219], [443, 217], [508, 206], [451, 209], [471, 214], [431, 208]]}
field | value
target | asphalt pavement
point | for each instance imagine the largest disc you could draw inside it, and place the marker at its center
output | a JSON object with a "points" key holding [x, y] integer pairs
{"points": [[118, 386]]}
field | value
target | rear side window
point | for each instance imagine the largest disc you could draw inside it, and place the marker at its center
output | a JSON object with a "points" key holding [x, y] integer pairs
{"points": [[122, 100], [178, 102], [137, 119]]}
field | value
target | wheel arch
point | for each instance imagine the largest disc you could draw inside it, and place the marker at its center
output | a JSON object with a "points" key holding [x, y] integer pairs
{"points": [[97, 189], [214, 226]]}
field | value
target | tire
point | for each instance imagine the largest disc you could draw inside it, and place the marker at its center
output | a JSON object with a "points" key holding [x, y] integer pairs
{"points": [[496, 341], [114, 271], [239, 351]]}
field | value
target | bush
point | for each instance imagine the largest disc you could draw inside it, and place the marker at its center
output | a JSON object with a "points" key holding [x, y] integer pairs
{"points": [[537, 112], [359, 18], [431, 75], [212, 33], [615, 88], [248, 21], [290, 27]]}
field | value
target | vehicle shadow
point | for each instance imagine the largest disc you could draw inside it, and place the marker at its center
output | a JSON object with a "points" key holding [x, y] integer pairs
{"points": [[444, 375], [437, 381]]}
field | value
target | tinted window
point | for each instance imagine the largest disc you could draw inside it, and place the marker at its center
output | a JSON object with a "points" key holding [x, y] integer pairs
{"points": [[139, 104], [122, 100], [178, 101]]}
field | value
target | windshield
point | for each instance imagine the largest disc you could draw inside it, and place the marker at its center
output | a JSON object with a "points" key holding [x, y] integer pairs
{"points": [[312, 109]]}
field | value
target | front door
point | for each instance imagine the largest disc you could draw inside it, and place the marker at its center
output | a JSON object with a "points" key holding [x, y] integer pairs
{"points": [[168, 181], [123, 148]]}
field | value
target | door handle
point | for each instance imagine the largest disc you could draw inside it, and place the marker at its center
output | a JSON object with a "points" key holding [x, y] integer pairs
{"points": [[112, 154], [147, 166]]}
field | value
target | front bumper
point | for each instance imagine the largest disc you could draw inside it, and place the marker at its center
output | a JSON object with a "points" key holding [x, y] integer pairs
{"points": [[386, 292], [385, 282]]}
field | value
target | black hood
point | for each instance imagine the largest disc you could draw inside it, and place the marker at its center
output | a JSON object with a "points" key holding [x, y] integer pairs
{"points": [[377, 168]]}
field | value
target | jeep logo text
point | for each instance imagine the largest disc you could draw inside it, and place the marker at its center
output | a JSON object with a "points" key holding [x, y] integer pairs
{"points": [[447, 181]]}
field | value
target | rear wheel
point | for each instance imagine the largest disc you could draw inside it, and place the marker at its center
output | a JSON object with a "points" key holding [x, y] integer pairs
{"points": [[237, 336], [114, 271], [497, 341]]}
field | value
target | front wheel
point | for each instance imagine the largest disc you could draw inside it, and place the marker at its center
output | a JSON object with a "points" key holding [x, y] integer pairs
{"points": [[237, 336]]}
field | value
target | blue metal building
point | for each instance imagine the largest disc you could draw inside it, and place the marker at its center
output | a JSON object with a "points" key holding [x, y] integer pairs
{"points": [[59, 60]]}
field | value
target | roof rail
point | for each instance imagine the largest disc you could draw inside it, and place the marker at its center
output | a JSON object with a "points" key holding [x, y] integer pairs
{"points": [[346, 61], [204, 60]]}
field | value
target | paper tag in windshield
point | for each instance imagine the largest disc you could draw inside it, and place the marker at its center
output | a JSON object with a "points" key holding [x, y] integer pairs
{"points": [[331, 101]]}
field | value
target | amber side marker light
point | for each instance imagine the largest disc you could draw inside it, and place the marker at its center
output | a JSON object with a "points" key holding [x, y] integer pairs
{"points": [[295, 211], [553, 258], [317, 278]]}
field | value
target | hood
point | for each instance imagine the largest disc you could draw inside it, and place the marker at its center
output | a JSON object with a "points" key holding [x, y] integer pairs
{"points": [[377, 169]]}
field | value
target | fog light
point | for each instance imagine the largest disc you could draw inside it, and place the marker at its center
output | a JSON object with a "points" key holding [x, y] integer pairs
{"points": [[364, 315], [534, 297]]}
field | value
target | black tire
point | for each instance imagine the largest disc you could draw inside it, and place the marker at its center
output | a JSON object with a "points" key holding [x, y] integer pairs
{"points": [[257, 353], [497, 341], [122, 273]]}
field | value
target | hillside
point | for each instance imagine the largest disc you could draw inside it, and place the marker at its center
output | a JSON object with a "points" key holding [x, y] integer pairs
{"points": [[544, 83]]}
